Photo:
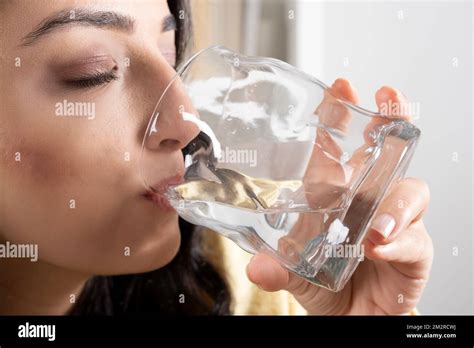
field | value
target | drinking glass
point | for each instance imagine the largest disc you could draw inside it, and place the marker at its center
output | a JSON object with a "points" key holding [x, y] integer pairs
{"points": [[279, 164]]}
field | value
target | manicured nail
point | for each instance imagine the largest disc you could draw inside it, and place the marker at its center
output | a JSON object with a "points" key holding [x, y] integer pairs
{"points": [[384, 224]]}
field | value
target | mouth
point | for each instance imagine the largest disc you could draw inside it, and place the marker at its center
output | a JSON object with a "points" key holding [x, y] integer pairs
{"points": [[156, 193]]}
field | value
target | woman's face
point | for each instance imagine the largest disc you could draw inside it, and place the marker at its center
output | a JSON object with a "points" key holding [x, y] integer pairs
{"points": [[76, 97]]}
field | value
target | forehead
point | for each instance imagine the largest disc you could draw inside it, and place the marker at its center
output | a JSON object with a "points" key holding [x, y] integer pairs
{"points": [[21, 17]]}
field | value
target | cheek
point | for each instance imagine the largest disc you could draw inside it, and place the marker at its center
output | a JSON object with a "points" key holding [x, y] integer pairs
{"points": [[37, 148], [68, 166], [40, 164], [40, 149]]}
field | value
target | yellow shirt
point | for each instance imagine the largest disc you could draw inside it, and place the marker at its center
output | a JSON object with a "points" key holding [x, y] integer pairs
{"points": [[247, 298]]}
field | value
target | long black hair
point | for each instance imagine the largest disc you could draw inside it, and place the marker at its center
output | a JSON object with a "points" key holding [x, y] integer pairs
{"points": [[189, 284]]}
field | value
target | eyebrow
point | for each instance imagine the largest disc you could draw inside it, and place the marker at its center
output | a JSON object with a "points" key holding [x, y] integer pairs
{"points": [[86, 17]]}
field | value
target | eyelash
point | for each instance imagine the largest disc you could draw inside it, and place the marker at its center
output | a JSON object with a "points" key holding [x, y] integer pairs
{"points": [[93, 80]]}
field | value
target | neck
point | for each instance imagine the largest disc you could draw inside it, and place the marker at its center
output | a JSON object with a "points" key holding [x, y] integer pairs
{"points": [[37, 288]]}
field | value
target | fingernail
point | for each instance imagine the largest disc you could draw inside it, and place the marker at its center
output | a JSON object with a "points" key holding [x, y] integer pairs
{"points": [[384, 224]]}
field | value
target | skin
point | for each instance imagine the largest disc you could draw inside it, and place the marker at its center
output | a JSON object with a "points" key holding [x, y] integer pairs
{"points": [[64, 158], [68, 158]]}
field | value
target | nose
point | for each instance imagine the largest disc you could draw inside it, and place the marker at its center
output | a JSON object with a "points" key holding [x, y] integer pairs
{"points": [[168, 131]]}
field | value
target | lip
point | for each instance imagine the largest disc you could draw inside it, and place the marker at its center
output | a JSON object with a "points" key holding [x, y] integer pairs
{"points": [[156, 194]]}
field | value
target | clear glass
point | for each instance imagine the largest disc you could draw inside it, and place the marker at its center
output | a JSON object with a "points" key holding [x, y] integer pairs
{"points": [[279, 164]]}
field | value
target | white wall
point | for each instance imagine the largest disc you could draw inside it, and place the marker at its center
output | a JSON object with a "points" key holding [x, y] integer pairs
{"points": [[416, 51], [413, 47]]}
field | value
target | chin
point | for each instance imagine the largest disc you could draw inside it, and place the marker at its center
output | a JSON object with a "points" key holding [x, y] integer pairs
{"points": [[155, 252], [159, 253]]}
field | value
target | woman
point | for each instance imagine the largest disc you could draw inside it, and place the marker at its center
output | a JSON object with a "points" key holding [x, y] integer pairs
{"points": [[70, 185]]}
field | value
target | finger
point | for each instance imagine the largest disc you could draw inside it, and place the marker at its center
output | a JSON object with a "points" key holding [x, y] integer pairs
{"points": [[324, 162], [392, 103], [332, 113], [411, 253], [325, 158], [267, 273], [406, 202], [343, 89], [326, 145]]}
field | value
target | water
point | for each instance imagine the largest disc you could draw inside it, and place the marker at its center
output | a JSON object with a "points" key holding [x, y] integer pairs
{"points": [[282, 218]]}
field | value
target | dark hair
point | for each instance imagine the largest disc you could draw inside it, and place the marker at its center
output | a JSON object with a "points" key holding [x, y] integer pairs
{"points": [[188, 274]]}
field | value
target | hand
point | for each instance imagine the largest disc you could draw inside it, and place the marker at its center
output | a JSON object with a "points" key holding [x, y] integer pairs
{"points": [[398, 249]]}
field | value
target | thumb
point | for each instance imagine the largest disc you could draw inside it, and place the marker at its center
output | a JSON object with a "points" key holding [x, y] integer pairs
{"points": [[267, 273]]}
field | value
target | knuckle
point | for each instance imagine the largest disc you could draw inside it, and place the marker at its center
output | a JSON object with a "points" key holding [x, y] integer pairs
{"points": [[414, 188], [398, 203], [421, 241]]}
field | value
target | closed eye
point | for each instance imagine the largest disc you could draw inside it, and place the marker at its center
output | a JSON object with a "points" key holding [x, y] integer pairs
{"points": [[93, 80]]}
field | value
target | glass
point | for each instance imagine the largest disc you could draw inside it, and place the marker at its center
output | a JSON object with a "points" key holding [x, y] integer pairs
{"points": [[279, 165]]}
